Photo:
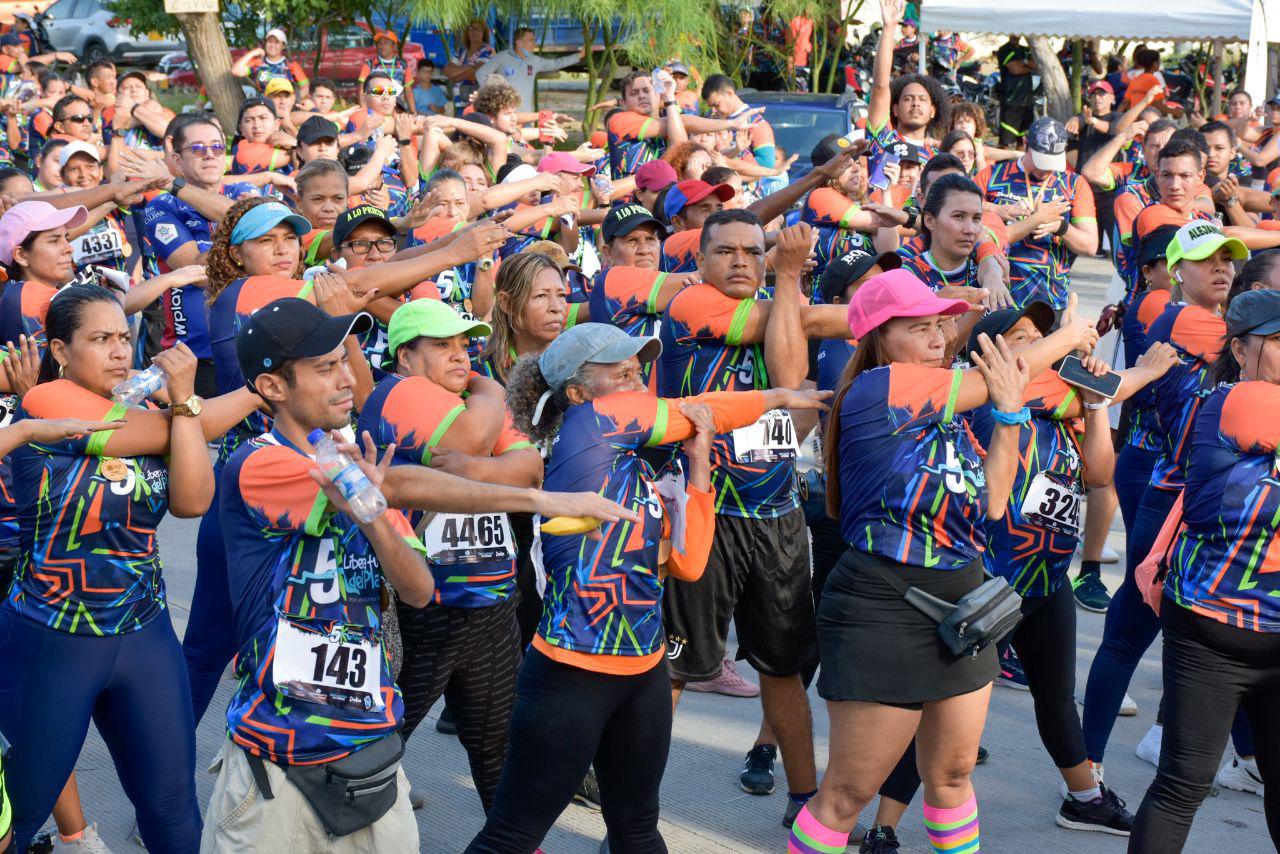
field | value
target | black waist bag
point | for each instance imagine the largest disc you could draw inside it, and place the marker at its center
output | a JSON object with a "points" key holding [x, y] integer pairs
{"points": [[982, 616], [348, 794]]}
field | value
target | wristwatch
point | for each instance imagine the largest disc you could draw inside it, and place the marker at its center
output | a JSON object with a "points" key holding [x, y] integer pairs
{"points": [[178, 184], [404, 142], [669, 104], [190, 408]]}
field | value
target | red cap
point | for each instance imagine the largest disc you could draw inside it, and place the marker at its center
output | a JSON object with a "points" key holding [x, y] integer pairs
{"points": [[655, 175], [562, 161], [1100, 84], [691, 192], [896, 293]]}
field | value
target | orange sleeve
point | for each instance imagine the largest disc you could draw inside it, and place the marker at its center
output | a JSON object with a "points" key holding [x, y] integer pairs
{"points": [[831, 207], [699, 530], [682, 244], [1152, 306], [920, 393], [435, 228], [1083, 208], [1198, 332], [705, 312], [626, 124], [1153, 216], [1269, 224], [1243, 422], [41, 122], [996, 227], [65, 399], [510, 439], [1126, 209], [1047, 392], [983, 178]]}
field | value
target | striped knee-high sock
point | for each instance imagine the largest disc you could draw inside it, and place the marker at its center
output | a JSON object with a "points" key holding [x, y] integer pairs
{"points": [[810, 836], [953, 830]]}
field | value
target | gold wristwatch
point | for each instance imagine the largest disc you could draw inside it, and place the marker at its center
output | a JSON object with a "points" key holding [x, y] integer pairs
{"points": [[190, 408]]}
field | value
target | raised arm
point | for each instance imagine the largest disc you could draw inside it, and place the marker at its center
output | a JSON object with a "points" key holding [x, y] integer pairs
{"points": [[882, 73], [785, 342]]}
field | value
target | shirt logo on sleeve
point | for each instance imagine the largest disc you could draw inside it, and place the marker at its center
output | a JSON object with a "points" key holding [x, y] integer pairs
{"points": [[166, 232]]}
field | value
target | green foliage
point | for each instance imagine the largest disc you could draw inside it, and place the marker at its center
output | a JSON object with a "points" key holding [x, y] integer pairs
{"points": [[240, 22]]}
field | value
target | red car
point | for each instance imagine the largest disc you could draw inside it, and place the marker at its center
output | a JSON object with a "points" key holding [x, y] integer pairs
{"points": [[343, 53]]}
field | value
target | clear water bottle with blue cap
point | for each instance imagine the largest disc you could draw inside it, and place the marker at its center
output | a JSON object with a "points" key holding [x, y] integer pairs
{"points": [[366, 500], [140, 386]]}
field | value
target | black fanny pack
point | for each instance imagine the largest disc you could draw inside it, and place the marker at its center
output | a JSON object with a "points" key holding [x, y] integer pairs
{"points": [[982, 616], [347, 794]]}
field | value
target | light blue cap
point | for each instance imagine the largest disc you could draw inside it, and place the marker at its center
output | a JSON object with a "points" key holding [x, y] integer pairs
{"points": [[589, 343], [260, 219]]}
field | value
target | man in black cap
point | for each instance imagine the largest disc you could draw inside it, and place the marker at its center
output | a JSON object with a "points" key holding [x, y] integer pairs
{"points": [[317, 140], [839, 282], [630, 292], [314, 724], [1050, 214]]}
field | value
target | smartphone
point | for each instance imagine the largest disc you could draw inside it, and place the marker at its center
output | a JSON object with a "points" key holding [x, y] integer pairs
{"points": [[1072, 372], [878, 179]]}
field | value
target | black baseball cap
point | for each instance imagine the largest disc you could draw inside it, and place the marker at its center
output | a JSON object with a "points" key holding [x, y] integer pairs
{"points": [[908, 152], [1000, 322], [624, 219], [292, 328], [315, 129], [352, 218], [851, 266], [828, 147], [1254, 313], [1155, 245]]}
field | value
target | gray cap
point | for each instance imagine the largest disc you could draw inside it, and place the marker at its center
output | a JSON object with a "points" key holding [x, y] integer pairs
{"points": [[1254, 313], [594, 343]]}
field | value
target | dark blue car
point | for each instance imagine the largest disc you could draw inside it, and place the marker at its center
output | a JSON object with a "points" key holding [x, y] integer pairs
{"points": [[800, 120]]}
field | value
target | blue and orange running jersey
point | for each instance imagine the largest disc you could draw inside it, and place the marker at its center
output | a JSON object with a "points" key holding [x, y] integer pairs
{"points": [[1032, 546], [632, 140], [627, 297], [1177, 396], [1039, 269], [829, 212], [1136, 330], [911, 480], [416, 414], [703, 351], [604, 596], [1226, 562], [298, 567], [87, 522]]}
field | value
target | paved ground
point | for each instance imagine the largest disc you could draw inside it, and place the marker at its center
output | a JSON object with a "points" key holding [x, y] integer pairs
{"points": [[703, 809]]}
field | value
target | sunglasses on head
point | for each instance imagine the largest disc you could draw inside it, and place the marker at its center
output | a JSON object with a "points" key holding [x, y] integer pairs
{"points": [[199, 149], [78, 118]]}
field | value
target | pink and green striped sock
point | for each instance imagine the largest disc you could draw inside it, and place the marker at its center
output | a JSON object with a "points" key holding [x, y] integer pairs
{"points": [[810, 836], [953, 830]]}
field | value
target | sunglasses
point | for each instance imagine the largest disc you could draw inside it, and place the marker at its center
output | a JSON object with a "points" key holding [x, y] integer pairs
{"points": [[199, 149], [78, 118], [362, 247], [383, 90]]}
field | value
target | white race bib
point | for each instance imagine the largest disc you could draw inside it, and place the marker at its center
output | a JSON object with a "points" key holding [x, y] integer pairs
{"points": [[453, 538], [1053, 503], [327, 669], [100, 243], [8, 402], [769, 440]]}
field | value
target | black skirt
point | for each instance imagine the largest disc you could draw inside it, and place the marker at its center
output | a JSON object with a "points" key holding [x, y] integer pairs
{"points": [[876, 648]]}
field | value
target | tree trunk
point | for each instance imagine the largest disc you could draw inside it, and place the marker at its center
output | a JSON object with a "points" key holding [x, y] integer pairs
{"points": [[1052, 77], [212, 59]]}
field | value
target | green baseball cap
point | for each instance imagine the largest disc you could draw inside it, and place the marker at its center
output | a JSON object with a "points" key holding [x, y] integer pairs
{"points": [[427, 318], [1199, 239]]}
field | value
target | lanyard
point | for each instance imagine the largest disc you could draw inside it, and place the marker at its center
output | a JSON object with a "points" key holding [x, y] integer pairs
{"points": [[1035, 200], [946, 274]]}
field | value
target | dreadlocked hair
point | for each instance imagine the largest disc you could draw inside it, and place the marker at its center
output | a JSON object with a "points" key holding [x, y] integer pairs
{"points": [[222, 266], [866, 356], [525, 387]]}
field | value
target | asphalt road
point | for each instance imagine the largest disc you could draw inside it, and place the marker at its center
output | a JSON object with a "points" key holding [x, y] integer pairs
{"points": [[703, 808]]}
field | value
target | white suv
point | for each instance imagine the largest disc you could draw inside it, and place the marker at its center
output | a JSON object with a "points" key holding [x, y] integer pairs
{"points": [[91, 31]]}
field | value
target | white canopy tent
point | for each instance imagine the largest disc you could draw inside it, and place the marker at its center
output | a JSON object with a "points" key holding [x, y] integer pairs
{"points": [[1254, 22]]}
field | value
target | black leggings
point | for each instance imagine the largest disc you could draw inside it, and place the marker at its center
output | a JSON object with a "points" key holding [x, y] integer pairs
{"points": [[529, 611], [566, 718], [1045, 641], [1210, 670], [470, 655]]}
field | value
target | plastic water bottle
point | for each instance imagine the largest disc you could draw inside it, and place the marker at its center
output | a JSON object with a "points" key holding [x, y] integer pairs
{"points": [[366, 501], [603, 187], [140, 386]]}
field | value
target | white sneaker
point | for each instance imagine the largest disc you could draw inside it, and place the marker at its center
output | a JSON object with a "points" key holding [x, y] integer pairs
{"points": [[1148, 749], [1109, 555], [88, 843], [1241, 775], [1128, 706]]}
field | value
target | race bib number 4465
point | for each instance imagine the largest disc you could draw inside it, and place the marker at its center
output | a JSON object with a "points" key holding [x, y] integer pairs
{"points": [[453, 538]]}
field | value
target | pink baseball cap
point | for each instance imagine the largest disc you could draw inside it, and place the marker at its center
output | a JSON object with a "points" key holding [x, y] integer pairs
{"points": [[26, 218], [896, 293], [563, 161], [655, 175]]}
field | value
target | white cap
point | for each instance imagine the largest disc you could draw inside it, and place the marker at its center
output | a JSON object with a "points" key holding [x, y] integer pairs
{"points": [[71, 149], [278, 33], [523, 172]]}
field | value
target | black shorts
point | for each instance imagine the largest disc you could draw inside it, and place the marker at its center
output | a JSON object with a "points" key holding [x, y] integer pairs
{"points": [[758, 574]]}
